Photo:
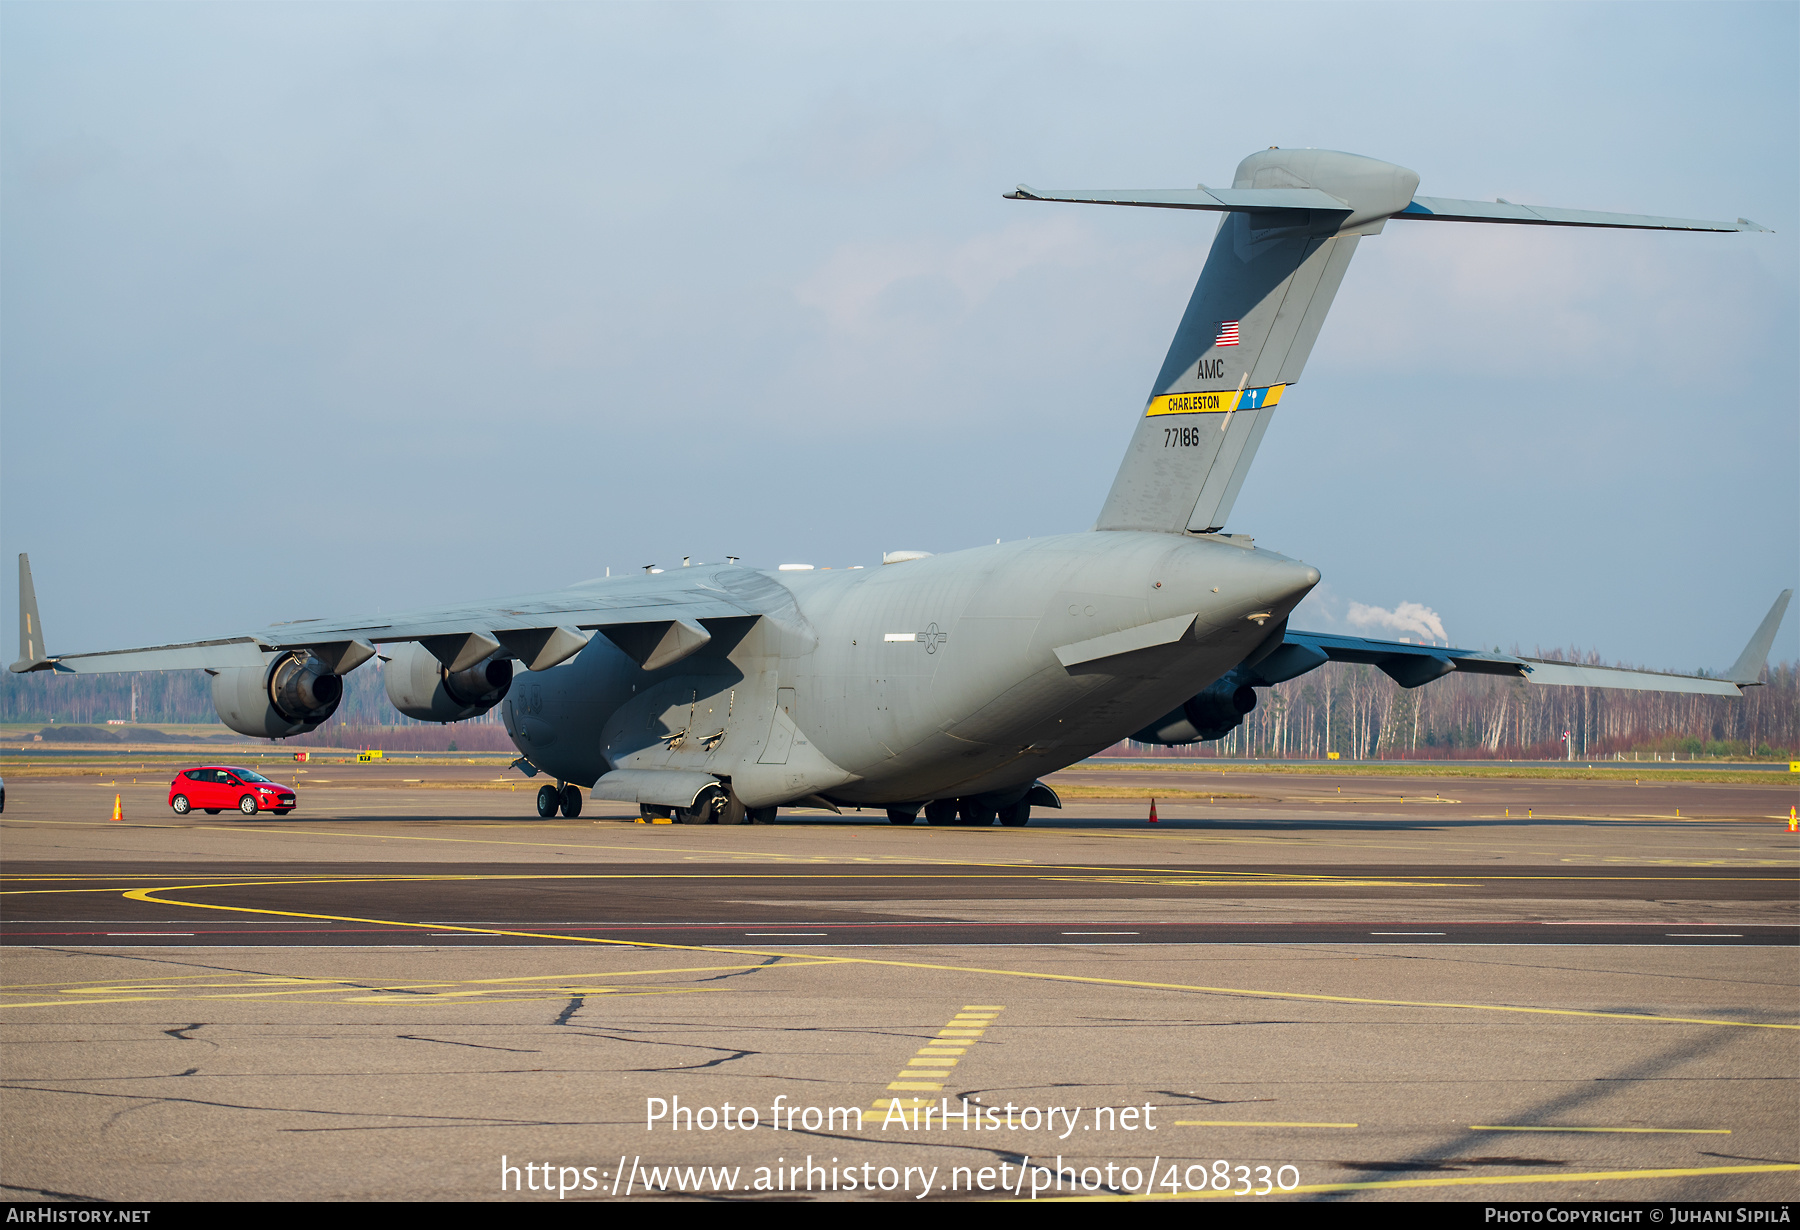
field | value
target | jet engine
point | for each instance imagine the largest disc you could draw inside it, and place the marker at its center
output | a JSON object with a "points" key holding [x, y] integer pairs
{"points": [[1212, 714], [421, 687], [294, 694]]}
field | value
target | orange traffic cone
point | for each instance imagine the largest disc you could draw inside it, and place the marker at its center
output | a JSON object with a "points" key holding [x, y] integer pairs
{"points": [[118, 807], [1152, 811]]}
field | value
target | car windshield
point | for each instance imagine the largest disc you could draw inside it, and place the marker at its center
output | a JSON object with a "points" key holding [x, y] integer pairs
{"points": [[247, 776]]}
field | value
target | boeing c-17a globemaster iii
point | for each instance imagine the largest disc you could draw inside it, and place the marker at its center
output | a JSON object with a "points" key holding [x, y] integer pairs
{"points": [[948, 684]]}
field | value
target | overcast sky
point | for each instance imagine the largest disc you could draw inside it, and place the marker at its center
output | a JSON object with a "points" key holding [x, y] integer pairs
{"points": [[325, 309]]}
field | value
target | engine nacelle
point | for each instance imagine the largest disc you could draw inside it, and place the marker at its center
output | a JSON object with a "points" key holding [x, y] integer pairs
{"points": [[292, 695], [1212, 714], [421, 687]]}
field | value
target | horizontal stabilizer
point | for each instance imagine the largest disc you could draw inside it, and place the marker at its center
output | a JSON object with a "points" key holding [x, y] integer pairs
{"points": [[1293, 219], [1445, 209], [1219, 200]]}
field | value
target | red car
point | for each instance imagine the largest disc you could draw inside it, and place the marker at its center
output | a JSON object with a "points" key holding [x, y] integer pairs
{"points": [[217, 787]]}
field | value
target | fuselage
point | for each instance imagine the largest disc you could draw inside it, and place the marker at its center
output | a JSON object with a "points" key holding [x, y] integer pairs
{"points": [[936, 678]]}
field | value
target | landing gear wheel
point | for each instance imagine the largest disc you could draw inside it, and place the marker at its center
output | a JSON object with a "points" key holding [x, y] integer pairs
{"points": [[650, 815], [761, 815], [976, 812], [181, 805], [734, 811], [940, 811], [702, 812], [549, 800], [1016, 815], [247, 805], [571, 801], [901, 815]]}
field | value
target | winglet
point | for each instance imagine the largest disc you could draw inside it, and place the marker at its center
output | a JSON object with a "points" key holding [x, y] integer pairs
{"points": [[1747, 670], [31, 628]]}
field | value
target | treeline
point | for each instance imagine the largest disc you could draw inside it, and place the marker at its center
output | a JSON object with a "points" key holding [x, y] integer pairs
{"points": [[181, 696], [1361, 714]]}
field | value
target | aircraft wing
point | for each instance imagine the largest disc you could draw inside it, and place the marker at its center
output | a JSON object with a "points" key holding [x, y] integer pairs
{"points": [[657, 619], [1412, 665]]}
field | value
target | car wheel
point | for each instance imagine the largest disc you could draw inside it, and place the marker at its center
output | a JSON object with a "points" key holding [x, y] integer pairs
{"points": [[181, 805], [549, 799], [247, 805], [571, 801]]}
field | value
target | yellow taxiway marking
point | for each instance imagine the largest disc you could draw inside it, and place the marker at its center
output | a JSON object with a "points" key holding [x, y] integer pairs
{"points": [[146, 895], [1246, 1123], [1068, 874], [1593, 1176], [1212, 880], [913, 1079], [264, 986], [1479, 1127]]}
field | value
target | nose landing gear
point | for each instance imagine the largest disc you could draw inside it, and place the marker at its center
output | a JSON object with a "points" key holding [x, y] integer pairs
{"points": [[551, 799]]}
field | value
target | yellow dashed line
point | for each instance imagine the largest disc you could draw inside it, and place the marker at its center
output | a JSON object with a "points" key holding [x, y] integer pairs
{"points": [[1476, 1127], [1247, 1123], [925, 1072], [1595, 1176]]}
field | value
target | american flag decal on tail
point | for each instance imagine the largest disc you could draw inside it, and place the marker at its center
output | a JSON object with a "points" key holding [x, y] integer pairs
{"points": [[1228, 333]]}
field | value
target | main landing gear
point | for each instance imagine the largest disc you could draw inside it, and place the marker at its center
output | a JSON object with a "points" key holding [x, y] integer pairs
{"points": [[978, 812], [712, 807], [551, 800]]}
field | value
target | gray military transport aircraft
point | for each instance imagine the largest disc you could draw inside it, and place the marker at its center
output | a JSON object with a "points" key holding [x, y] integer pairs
{"points": [[947, 683]]}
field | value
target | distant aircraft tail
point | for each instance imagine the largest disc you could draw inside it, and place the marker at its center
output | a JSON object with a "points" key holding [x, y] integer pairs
{"points": [[1293, 218]]}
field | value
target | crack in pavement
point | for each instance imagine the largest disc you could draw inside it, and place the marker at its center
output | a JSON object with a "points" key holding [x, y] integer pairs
{"points": [[473, 1045], [711, 1063], [142, 1100]]}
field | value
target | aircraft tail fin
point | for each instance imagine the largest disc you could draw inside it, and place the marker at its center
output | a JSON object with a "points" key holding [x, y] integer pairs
{"points": [[1292, 222]]}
